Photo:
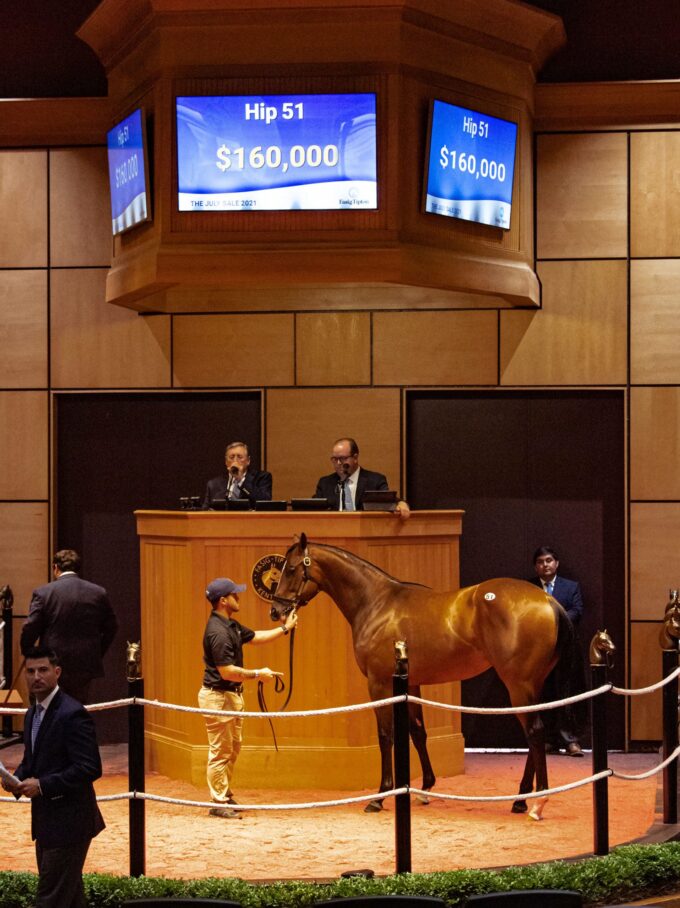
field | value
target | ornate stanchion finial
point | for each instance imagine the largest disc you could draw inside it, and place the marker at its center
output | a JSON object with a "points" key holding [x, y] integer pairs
{"points": [[669, 635], [6, 597], [401, 655], [134, 661], [672, 600], [602, 649]]}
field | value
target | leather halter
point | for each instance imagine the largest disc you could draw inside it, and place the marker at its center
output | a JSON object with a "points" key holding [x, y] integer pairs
{"points": [[292, 602]]}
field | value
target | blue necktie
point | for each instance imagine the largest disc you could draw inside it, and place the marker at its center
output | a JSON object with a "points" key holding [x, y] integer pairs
{"points": [[35, 725], [549, 587], [348, 504]]}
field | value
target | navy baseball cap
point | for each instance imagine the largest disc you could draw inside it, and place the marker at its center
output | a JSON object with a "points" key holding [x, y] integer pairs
{"points": [[222, 586]]}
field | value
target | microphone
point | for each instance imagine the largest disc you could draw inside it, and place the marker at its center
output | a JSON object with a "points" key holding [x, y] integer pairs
{"points": [[242, 489], [233, 473]]}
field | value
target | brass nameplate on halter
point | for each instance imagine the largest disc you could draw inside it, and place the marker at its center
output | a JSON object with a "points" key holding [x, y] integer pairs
{"points": [[266, 574]]}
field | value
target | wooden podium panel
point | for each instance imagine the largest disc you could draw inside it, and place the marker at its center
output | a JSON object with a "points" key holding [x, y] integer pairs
{"points": [[181, 551]]}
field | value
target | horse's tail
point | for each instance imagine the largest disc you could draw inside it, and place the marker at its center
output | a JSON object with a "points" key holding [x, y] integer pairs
{"points": [[568, 660]]}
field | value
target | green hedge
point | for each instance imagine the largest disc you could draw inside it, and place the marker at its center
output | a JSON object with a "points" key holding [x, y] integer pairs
{"points": [[630, 872]]}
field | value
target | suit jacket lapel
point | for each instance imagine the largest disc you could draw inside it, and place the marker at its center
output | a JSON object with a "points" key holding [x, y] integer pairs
{"points": [[361, 488]]}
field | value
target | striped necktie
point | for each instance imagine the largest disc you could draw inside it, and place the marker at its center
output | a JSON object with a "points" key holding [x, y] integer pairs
{"points": [[348, 504], [35, 725]]}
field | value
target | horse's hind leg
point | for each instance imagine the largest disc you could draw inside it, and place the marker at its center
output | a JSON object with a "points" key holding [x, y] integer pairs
{"points": [[527, 783], [535, 765], [418, 734], [385, 737]]}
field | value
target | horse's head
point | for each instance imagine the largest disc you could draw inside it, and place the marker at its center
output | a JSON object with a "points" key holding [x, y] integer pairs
{"points": [[297, 585]]}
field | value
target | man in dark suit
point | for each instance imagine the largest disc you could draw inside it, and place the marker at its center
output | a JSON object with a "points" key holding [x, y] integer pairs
{"points": [[61, 761], [345, 488], [73, 617], [561, 731], [239, 481]]}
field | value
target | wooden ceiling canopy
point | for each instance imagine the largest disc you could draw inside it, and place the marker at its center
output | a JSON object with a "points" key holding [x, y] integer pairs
{"points": [[479, 54]]}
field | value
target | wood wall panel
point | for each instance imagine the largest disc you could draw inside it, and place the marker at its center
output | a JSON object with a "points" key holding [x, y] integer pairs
{"points": [[97, 345], [80, 213], [579, 336], [303, 424], [23, 329], [24, 450], [655, 558], [655, 194], [582, 196], [23, 209], [645, 661], [236, 351], [24, 559], [435, 348], [24, 552], [654, 324], [333, 348], [655, 443]]}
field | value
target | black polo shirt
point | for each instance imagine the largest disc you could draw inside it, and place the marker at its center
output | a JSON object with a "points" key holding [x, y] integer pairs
{"points": [[223, 645]]}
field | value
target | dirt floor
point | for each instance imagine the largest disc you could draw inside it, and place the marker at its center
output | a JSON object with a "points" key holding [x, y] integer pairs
{"points": [[321, 843]]}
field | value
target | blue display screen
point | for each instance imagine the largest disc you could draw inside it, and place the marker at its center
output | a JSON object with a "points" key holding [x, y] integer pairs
{"points": [[127, 173], [470, 165], [276, 152]]}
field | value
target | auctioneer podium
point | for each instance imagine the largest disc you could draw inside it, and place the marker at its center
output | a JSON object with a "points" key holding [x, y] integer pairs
{"points": [[181, 551]]}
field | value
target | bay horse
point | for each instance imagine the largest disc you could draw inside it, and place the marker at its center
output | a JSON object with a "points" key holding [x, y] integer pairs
{"points": [[510, 625]]}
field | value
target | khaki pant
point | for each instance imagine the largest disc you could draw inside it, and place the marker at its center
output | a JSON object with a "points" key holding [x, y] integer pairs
{"points": [[224, 739]]}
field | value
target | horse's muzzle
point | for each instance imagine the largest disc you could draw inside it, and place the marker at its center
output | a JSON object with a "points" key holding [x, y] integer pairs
{"points": [[283, 607]]}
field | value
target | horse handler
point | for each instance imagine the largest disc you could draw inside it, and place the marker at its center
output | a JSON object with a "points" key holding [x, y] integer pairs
{"points": [[222, 688]]}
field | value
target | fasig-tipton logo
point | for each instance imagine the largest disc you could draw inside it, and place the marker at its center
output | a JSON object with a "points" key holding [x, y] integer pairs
{"points": [[266, 575]]}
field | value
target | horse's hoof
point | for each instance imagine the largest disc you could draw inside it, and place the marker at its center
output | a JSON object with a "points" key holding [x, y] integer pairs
{"points": [[536, 812], [519, 807], [373, 807], [423, 799]]}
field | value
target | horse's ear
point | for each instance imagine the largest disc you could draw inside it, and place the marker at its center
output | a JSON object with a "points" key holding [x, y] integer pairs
{"points": [[303, 540], [296, 538]]}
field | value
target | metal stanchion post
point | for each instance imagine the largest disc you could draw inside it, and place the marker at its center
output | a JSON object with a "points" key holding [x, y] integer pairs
{"points": [[402, 762], [598, 722], [136, 772], [670, 737], [670, 645]]}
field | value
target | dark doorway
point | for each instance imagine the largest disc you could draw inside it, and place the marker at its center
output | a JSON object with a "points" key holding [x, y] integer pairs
{"points": [[529, 468], [117, 453]]}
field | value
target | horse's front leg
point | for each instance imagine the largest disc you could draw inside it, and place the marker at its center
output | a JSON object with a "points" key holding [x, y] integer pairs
{"points": [[384, 719], [419, 738]]}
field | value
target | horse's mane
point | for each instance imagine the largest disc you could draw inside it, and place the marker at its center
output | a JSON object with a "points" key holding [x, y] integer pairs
{"points": [[369, 564]]}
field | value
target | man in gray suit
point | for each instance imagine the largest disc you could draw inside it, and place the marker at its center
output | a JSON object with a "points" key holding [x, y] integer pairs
{"points": [[74, 618]]}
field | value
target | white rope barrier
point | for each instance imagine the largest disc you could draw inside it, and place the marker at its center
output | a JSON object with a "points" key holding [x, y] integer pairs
{"points": [[512, 710], [179, 802], [526, 796], [635, 692], [650, 772], [292, 714]]}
